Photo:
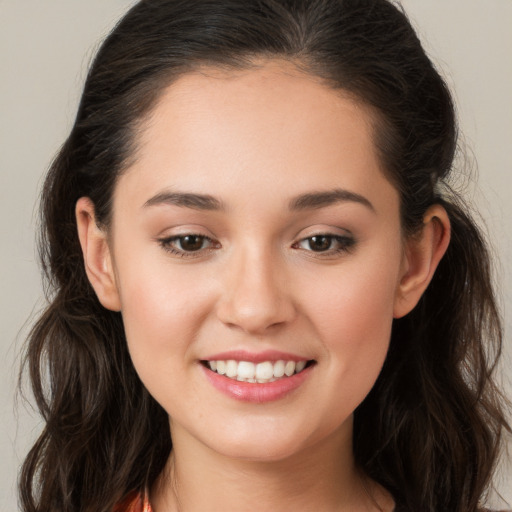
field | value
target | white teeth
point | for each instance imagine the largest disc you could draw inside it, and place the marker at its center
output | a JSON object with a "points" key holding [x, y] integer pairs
{"points": [[246, 370], [300, 366], [267, 371], [264, 371], [279, 369], [231, 368], [289, 368], [221, 366]]}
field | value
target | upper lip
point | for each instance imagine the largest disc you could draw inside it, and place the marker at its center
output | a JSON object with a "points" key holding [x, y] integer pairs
{"points": [[255, 357]]}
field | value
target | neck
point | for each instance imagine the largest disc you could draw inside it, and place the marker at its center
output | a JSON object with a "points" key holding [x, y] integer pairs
{"points": [[320, 477]]}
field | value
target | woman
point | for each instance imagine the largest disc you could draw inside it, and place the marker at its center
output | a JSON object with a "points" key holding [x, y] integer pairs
{"points": [[265, 294]]}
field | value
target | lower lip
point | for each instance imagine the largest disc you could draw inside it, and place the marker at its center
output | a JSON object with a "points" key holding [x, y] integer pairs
{"points": [[254, 392]]}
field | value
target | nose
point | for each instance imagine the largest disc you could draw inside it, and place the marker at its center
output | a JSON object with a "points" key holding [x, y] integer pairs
{"points": [[255, 294]]}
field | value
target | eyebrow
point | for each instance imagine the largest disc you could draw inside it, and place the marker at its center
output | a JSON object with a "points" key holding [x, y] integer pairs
{"points": [[322, 199], [309, 201], [186, 200]]}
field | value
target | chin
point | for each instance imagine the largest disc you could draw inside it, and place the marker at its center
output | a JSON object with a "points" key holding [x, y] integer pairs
{"points": [[264, 452], [266, 445]]}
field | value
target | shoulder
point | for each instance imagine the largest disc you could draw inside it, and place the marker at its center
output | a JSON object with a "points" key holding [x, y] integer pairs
{"points": [[133, 502]]}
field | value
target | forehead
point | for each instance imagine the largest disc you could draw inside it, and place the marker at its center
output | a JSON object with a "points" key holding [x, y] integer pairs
{"points": [[269, 127], [267, 94]]}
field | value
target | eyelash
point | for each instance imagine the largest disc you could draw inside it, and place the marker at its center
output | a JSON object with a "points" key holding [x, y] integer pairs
{"points": [[167, 245], [345, 244]]}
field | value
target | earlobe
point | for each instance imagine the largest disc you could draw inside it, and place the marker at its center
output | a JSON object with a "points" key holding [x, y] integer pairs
{"points": [[96, 252], [423, 253]]}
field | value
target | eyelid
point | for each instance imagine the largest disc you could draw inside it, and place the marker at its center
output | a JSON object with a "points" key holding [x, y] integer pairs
{"points": [[183, 229], [345, 243], [323, 229], [166, 244]]}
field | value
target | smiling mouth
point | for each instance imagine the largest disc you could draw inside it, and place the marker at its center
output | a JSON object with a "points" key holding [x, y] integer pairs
{"points": [[257, 373]]}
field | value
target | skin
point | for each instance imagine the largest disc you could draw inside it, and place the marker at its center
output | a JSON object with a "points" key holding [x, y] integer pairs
{"points": [[255, 140]]}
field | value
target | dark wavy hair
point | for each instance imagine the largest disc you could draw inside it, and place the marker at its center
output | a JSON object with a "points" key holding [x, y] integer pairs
{"points": [[430, 429]]}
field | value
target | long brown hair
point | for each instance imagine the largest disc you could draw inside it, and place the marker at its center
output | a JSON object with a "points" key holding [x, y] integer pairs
{"points": [[430, 429]]}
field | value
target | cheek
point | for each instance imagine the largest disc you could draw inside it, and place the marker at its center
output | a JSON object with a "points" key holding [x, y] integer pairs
{"points": [[358, 297], [162, 314], [161, 309], [353, 315]]}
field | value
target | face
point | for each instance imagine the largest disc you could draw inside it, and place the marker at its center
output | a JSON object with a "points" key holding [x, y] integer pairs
{"points": [[257, 235]]}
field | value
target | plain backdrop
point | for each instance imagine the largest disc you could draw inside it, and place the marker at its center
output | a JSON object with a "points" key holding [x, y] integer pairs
{"points": [[45, 49]]}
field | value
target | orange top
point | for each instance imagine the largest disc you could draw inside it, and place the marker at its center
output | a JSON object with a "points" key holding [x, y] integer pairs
{"points": [[134, 502]]}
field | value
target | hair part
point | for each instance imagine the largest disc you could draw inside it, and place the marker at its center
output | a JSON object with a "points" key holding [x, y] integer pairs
{"points": [[429, 431]]}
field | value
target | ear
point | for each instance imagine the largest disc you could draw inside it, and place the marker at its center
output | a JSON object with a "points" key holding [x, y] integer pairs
{"points": [[422, 254], [97, 258]]}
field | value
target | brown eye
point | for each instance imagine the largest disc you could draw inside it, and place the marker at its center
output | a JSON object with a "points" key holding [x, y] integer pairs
{"points": [[320, 243], [191, 243], [187, 245], [326, 243]]}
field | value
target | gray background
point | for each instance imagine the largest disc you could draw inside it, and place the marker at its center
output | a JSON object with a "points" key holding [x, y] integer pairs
{"points": [[45, 48]]}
